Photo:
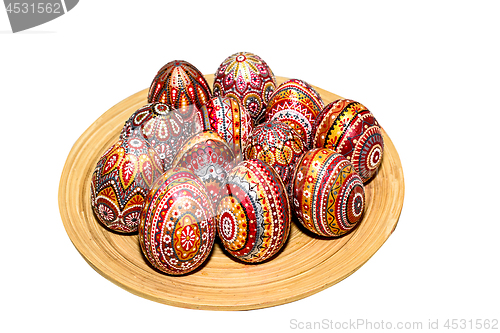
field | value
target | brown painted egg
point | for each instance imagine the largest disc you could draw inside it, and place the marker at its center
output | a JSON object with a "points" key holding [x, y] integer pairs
{"points": [[210, 158], [329, 195], [182, 86], [161, 126], [247, 78], [121, 181], [177, 228], [233, 123], [351, 130], [275, 143], [296, 103], [253, 215]]}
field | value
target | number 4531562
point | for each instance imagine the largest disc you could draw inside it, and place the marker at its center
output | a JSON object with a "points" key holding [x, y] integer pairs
{"points": [[478, 324], [40, 8]]}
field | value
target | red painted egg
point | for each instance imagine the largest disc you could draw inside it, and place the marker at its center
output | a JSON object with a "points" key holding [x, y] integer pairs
{"points": [[329, 195], [253, 214], [177, 228], [121, 181], [161, 126], [210, 158], [350, 129], [296, 103], [233, 123], [182, 86], [247, 78], [277, 144]]}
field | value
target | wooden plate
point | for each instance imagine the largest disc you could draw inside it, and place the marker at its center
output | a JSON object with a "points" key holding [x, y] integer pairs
{"points": [[306, 265]]}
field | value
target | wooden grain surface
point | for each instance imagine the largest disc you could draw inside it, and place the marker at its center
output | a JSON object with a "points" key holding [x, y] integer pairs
{"points": [[306, 265]]}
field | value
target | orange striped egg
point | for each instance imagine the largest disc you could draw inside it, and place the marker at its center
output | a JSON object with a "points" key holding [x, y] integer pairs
{"points": [[329, 195], [233, 123], [350, 129], [253, 214]]}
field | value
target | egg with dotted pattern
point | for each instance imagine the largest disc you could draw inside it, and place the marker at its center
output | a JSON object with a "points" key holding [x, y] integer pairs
{"points": [[277, 144], [296, 103], [232, 122], [120, 182], [210, 158], [182, 86], [177, 228], [253, 214], [161, 126], [247, 78], [328, 194], [350, 129]]}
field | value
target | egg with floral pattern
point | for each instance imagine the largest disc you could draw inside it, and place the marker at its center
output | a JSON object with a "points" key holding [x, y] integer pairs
{"points": [[253, 214], [329, 195], [350, 129], [210, 158], [163, 128], [233, 123], [277, 144], [182, 86], [177, 228], [296, 103], [120, 182], [247, 78]]}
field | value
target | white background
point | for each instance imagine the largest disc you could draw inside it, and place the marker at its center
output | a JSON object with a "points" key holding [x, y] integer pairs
{"points": [[428, 70]]}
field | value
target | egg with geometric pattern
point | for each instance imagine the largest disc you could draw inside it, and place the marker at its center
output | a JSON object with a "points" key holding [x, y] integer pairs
{"points": [[350, 129], [161, 126], [209, 157], [329, 195], [182, 86], [253, 214], [247, 78], [120, 182], [277, 144], [177, 228], [296, 103], [225, 116]]}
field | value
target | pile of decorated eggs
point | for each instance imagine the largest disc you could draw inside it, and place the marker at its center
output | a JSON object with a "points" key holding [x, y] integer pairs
{"points": [[237, 161]]}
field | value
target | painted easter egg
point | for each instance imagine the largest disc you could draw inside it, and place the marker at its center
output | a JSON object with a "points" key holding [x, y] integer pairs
{"points": [[161, 126], [177, 228], [253, 214], [296, 103], [277, 144], [182, 86], [209, 157], [233, 123], [329, 195], [121, 181], [247, 78], [350, 129]]}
